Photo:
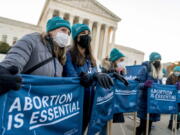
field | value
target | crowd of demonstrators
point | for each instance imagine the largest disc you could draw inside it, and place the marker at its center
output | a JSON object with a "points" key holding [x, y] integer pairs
{"points": [[151, 73], [174, 79], [47, 54]]}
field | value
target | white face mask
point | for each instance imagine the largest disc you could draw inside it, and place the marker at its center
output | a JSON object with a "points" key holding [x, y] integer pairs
{"points": [[121, 64], [61, 39], [177, 74]]}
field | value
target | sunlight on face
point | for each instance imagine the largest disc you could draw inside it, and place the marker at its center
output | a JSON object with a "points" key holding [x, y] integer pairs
{"points": [[61, 29]]}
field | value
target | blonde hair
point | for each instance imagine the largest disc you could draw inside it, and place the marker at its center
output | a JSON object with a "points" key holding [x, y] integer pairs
{"points": [[156, 73], [106, 64]]}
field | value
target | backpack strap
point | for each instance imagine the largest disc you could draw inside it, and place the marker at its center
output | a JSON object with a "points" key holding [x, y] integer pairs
{"points": [[29, 71]]}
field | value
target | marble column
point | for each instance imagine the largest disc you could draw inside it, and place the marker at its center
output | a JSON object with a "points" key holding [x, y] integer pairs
{"points": [[90, 25], [105, 42], [96, 48], [71, 19], [80, 20]]}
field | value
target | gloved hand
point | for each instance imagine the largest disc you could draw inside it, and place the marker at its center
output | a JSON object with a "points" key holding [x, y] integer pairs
{"points": [[8, 79], [120, 78], [104, 80], [178, 85], [148, 84], [85, 79]]}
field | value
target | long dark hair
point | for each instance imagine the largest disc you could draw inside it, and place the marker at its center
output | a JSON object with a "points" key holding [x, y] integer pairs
{"points": [[77, 58]]}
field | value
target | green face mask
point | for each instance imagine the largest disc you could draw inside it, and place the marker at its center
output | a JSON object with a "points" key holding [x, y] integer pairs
{"points": [[177, 74]]}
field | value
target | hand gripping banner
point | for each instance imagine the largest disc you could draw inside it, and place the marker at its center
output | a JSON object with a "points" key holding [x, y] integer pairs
{"points": [[162, 99], [43, 106]]}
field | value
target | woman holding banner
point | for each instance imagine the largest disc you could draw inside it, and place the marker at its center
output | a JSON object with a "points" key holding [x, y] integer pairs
{"points": [[115, 65], [36, 54], [173, 79], [151, 72], [80, 62]]}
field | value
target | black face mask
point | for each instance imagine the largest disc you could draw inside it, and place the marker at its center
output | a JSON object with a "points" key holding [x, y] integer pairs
{"points": [[84, 41], [157, 64]]}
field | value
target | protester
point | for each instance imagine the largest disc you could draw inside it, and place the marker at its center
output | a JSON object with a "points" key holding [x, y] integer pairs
{"points": [[80, 62], [36, 54], [115, 66], [173, 79], [151, 72]]}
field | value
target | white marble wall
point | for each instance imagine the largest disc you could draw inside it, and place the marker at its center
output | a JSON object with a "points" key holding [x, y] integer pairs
{"points": [[11, 31], [131, 54]]}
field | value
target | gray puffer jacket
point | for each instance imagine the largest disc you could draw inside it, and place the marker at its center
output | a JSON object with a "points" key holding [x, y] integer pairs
{"points": [[30, 51]]}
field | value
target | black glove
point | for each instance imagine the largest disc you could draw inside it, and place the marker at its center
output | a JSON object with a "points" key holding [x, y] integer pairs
{"points": [[104, 80], [8, 79], [120, 78], [85, 79]]}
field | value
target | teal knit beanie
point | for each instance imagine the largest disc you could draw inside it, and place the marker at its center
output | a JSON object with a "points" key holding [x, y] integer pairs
{"points": [[115, 55], [78, 28], [154, 56], [57, 22], [176, 69]]}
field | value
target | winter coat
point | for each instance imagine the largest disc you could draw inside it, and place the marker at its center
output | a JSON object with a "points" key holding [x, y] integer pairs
{"points": [[30, 51], [72, 70], [144, 75]]}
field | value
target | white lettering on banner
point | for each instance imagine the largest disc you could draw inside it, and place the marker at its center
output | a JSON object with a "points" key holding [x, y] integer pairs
{"points": [[16, 105], [106, 98], [28, 105], [19, 120], [37, 102], [54, 122], [71, 132], [47, 110], [164, 95], [130, 77], [125, 92]]}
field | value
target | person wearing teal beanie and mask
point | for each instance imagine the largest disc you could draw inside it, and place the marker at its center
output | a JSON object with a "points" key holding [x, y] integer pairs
{"points": [[81, 63], [37, 54], [149, 74], [174, 79], [115, 66], [117, 60]]}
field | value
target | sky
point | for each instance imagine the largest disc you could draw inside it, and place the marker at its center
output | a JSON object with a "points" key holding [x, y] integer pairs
{"points": [[146, 25]]}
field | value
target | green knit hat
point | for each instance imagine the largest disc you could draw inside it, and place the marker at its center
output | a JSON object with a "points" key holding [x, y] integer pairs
{"points": [[57, 22], [78, 28], [154, 56], [115, 55], [176, 69]]}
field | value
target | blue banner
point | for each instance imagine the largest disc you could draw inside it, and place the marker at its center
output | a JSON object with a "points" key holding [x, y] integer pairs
{"points": [[43, 106], [178, 97], [162, 99], [132, 71], [102, 109], [125, 97]]}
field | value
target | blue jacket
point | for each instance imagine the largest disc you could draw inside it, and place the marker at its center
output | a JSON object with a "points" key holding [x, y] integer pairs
{"points": [[144, 75], [72, 70]]}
